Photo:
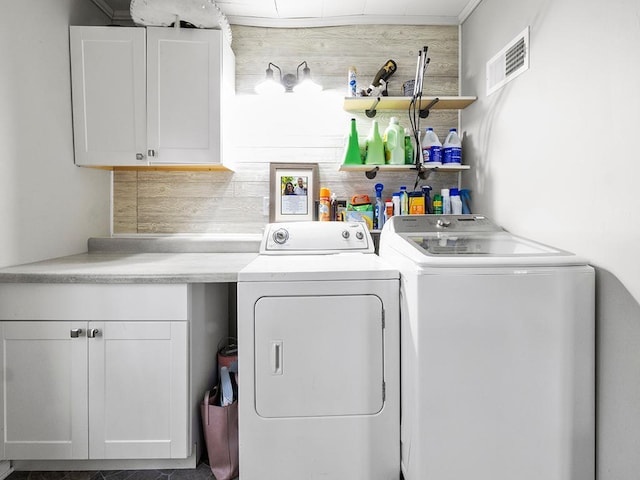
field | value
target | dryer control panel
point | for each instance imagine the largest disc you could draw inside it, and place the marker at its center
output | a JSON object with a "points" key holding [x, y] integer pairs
{"points": [[315, 238]]}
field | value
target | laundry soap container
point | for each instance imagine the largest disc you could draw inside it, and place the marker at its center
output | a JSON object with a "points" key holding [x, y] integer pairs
{"points": [[375, 147], [394, 143], [352, 148]]}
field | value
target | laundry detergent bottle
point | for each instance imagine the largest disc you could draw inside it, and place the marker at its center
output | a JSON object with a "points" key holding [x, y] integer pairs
{"points": [[394, 143], [375, 147]]}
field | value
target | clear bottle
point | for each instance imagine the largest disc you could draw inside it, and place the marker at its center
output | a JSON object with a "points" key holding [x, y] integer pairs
{"points": [[456, 202], [394, 143], [375, 147], [452, 149], [446, 201], [378, 214], [431, 148], [404, 201], [408, 148]]}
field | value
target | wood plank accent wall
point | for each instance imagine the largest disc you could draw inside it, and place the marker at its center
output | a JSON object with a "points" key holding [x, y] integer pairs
{"points": [[291, 129]]}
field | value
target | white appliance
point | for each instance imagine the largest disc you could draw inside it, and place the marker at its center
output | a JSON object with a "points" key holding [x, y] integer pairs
{"points": [[318, 358], [497, 352]]}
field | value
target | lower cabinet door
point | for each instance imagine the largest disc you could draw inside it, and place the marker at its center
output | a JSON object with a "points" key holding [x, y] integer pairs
{"points": [[138, 390], [44, 387]]}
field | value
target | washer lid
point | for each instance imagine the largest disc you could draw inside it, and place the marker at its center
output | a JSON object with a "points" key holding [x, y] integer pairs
{"points": [[465, 241]]}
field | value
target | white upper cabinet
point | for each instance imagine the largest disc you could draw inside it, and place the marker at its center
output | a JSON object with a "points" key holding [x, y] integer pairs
{"points": [[149, 96]]}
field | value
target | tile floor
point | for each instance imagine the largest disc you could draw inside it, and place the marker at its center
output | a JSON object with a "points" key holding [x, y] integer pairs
{"points": [[202, 472]]}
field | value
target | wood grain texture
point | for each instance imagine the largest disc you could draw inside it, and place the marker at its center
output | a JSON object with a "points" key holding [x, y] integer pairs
{"points": [[293, 130]]}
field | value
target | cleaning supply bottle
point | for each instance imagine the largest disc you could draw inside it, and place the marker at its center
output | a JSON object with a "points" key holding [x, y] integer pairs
{"points": [[446, 201], [426, 192], [388, 210], [404, 201], [408, 148], [452, 149], [333, 207], [416, 203], [456, 202], [395, 199], [375, 148], [324, 207], [431, 148], [437, 204], [378, 213], [352, 148], [394, 143], [466, 199], [352, 86]]}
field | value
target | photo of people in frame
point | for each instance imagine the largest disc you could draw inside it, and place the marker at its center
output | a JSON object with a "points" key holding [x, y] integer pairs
{"points": [[293, 195]]}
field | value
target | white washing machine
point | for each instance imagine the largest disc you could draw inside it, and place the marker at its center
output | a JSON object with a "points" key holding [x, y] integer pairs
{"points": [[497, 353], [318, 338]]}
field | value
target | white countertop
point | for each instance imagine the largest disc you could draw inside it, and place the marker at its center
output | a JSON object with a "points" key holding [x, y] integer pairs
{"points": [[176, 259]]}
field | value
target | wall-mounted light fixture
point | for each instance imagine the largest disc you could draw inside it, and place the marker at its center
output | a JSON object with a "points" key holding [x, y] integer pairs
{"points": [[288, 82]]}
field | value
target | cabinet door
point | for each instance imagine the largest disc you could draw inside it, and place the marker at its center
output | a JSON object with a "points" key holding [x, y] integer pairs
{"points": [[183, 95], [44, 387], [138, 396], [108, 74]]}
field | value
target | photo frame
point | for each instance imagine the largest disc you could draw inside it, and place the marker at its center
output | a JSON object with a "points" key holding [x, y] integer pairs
{"points": [[293, 191]]}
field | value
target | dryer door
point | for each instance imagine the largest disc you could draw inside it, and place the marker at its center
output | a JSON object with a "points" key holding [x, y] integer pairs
{"points": [[319, 356]]}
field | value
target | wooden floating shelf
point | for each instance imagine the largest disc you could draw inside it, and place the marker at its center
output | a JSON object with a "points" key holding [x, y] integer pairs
{"points": [[401, 168], [354, 104]]}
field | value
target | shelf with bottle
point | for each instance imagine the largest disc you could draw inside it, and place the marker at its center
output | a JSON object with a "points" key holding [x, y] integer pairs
{"points": [[399, 168], [371, 104]]}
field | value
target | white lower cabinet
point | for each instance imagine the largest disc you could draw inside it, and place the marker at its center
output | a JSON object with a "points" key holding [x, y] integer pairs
{"points": [[110, 373], [97, 390]]}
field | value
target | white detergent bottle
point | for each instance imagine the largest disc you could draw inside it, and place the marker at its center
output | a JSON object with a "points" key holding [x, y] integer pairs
{"points": [[456, 201], [452, 147], [431, 148], [446, 201]]}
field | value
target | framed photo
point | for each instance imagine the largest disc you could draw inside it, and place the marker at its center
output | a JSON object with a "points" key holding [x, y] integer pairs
{"points": [[293, 191]]}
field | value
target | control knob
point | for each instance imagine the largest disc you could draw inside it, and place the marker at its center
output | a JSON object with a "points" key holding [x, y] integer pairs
{"points": [[280, 236]]}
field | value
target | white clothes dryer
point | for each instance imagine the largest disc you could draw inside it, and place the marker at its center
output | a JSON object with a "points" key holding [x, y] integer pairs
{"points": [[497, 352], [318, 338]]}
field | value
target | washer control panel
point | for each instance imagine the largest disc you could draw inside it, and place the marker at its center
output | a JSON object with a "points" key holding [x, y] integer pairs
{"points": [[321, 238]]}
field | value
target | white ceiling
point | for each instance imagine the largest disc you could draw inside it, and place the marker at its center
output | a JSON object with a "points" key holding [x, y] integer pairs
{"points": [[303, 13]]}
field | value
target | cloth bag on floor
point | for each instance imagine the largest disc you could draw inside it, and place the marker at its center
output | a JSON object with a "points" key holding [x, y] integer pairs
{"points": [[220, 426], [219, 412]]}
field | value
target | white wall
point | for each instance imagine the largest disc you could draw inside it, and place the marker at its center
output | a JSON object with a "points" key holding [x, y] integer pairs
{"points": [[554, 158], [48, 206]]}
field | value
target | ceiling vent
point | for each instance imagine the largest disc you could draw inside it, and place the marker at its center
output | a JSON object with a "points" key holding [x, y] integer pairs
{"points": [[509, 62]]}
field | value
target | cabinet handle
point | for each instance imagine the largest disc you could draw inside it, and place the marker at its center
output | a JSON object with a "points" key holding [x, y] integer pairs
{"points": [[151, 153], [139, 156], [93, 332], [76, 332]]}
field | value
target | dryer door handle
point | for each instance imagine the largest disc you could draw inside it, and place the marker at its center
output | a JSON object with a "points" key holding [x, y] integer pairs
{"points": [[276, 357]]}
